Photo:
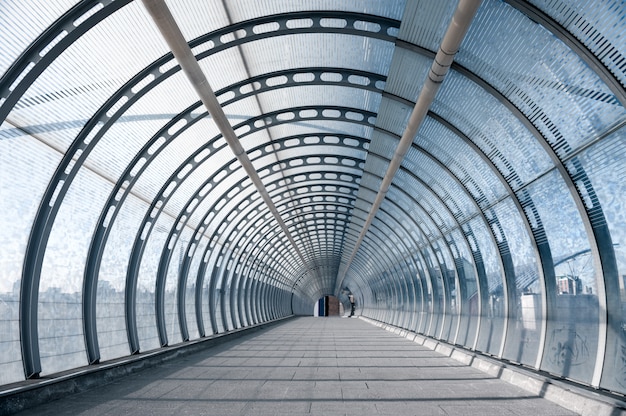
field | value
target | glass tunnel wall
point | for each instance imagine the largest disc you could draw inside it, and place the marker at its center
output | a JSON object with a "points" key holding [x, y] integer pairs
{"points": [[129, 225], [516, 249]]}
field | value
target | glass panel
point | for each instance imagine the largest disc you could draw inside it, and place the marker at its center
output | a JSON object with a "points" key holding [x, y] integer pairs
{"points": [[605, 167], [493, 312], [19, 26], [190, 297], [468, 289], [598, 25], [60, 323], [434, 271], [26, 165], [110, 301], [448, 272], [462, 160], [524, 331], [171, 288], [146, 284], [88, 72], [406, 69], [318, 50], [424, 23], [511, 147], [572, 337], [563, 97], [440, 182]]}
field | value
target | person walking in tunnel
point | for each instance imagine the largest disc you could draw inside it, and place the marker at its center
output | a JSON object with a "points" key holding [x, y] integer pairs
{"points": [[352, 305]]}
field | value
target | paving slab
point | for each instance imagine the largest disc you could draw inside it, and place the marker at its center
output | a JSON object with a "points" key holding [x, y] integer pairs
{"points": [[308, 366]]}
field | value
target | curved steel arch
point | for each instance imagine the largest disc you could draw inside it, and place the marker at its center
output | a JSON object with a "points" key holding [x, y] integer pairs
{"points": [[477, 271], [91, 134], [428, 243], [201, 273], [394, 231], [232, 256], [195, 160], [593, 219]]}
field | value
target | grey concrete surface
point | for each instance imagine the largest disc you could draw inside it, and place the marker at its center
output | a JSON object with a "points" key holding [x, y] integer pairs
{"points": [[308, 366]]}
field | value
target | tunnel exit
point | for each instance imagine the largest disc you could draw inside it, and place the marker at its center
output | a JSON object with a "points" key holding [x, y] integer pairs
{"points": [[328, 306]]}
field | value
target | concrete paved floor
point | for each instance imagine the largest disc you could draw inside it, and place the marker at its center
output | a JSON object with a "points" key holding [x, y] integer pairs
{"points": [[308, 366]]}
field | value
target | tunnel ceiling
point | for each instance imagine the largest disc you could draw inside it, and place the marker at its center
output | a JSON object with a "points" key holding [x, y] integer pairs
{"points": [[119, 185]]}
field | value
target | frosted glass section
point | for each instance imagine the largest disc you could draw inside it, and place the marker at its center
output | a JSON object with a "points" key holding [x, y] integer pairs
{"points": [[320, 95], [564, 98], [463, 161], [605, 166], [597, 25], [88, 72], [451, 300], [495, 130], [319, 50], [146, 284], [172, 324], [524, 331], [22, 21], [25, 167], [572, 338], [110, 311], [493, 312], [467, 294], [190, 296], [424, 23], [60, 324], [441, 183], [433, 269], [407, 73]]}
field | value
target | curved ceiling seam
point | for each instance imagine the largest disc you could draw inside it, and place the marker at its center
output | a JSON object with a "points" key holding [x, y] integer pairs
{"points": [[461, 20], [141, 240]]}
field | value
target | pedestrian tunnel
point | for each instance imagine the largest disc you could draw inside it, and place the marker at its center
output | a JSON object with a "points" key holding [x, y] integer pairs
{"points": [[173, 172]]}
